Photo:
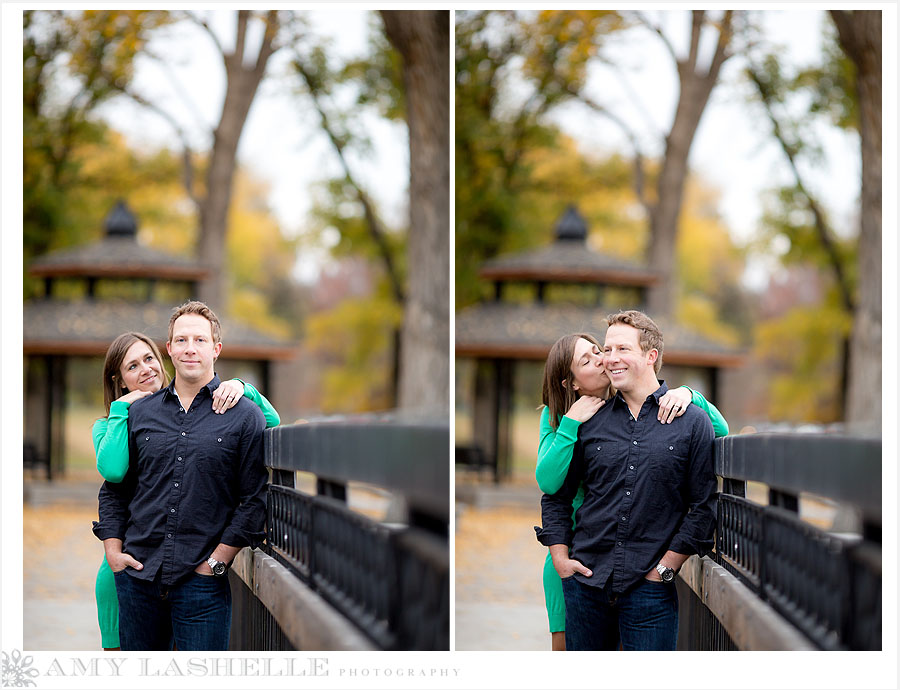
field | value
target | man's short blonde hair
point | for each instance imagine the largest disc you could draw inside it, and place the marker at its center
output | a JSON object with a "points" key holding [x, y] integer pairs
{"points": [[650, 336], [195, 307]]}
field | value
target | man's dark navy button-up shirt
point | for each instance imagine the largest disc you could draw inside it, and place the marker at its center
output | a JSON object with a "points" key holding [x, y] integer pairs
{"points": [[195, 479], [648, 488]]}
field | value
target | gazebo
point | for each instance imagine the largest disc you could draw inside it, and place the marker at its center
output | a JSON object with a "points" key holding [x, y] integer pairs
{"points": [[92, 294], [499, 334]]}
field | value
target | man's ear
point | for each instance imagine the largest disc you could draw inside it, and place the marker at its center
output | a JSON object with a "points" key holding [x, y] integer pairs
{"points": [[216, 350], [652, 356]]}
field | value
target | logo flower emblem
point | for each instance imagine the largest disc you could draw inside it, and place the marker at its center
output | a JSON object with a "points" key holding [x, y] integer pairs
{"points": [[17, 671]]}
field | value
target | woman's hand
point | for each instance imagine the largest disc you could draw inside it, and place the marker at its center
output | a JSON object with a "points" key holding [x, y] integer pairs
{"points": [[133, 396], [585, 407], [227, 395], [673, 404]]}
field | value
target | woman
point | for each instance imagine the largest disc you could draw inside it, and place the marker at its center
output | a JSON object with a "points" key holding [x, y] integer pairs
{"points": [[576, 386], [133, 370]]}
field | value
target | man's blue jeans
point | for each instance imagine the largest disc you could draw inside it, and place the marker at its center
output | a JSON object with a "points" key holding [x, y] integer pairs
{"points": [[195, 613], [645, 617]]}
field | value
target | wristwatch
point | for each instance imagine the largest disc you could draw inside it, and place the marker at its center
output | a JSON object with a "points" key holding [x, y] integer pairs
{"points": [[667, 574], [218, 567]]}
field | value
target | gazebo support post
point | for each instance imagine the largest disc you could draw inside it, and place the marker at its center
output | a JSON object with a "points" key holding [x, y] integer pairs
{"points": [[55, 368], [504, 386]]}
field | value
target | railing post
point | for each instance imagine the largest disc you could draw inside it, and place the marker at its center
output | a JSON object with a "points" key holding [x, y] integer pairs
{"points": [[782, 499]]}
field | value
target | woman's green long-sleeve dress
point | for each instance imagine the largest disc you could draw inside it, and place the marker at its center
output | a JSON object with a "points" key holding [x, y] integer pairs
{"points": [[554, 456], [110, 436]]}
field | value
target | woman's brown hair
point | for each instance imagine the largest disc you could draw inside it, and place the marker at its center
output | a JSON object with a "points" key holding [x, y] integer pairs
{"points": [[558, 393], [113, 387]]}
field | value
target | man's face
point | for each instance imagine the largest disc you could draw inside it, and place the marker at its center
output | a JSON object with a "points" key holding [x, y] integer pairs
{"points": [[191, 348], [625, 363]]}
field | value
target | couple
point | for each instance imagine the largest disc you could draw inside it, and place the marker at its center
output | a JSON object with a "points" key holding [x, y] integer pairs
{"points": [[629, 488], [184, 491]]}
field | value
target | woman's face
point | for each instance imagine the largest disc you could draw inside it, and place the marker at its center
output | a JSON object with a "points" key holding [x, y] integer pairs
{"points": [[589, 377], [141, 370]]}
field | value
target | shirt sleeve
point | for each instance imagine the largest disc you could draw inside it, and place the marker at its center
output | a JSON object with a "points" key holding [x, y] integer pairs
{"points": [[258, 399], [113, 502], [555, 451], [695, 535], [111, 442], [556, 508], [248, 522], [720, 426]]}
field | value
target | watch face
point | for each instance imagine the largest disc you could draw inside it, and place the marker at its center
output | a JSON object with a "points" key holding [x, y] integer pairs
{"points": [[219, 569], [668, 575]]}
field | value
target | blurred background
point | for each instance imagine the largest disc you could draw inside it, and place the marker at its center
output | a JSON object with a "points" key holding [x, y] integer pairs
{"points": [[719, 170], [288, 168]]}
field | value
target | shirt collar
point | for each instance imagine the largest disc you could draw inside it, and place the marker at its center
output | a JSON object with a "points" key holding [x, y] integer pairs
{"points": [[656, 395], [211, 386]]}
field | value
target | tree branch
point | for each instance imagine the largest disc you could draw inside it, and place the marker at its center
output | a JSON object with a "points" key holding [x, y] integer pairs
{"points": [[268, 41], [377, 233], [241, 36], [820, 223], [696, 28], [655, 27], [181, 91], [199, 21], [638, 156], [721, 54], [187, 162]]}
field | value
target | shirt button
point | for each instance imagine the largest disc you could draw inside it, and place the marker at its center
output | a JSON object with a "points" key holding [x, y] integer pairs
{"points": [[169, 536], [620, 543], [671, 447], [634, 442], [146, 438], [176, 483], [631, 467], [181, 409], [172, 510], [182, 433], [179, 458], [623, 517], [220, 440], [627, 493]]}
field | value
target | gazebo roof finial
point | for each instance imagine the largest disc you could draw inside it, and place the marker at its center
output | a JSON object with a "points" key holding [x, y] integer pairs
{"points": [[121, 221], [571, 226]]}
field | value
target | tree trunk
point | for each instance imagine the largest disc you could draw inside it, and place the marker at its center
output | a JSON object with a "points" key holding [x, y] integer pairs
{"points": [[242, 82], [423, 39], [859, 33], [696, 87]]}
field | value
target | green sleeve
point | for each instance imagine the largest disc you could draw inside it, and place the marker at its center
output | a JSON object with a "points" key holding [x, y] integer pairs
{"points": [[111, 442], [555, 452], [272, 418], [720, 426]]}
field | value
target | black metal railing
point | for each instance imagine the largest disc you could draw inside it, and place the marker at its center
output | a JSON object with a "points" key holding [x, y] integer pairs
{"points": [[388, 580], [824, 585]]}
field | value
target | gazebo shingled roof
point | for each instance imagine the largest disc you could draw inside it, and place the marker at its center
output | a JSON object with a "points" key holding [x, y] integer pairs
{"points": [[528, 331], [117, 255], [568, 259], [87, 327]]}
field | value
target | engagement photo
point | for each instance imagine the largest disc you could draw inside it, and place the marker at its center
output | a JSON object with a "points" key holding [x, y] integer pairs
{"points": [[236, 276], [668, 375]]}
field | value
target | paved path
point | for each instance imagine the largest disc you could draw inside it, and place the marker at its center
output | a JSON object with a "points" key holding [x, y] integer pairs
{"points": [[499, 563], [60, 567]]}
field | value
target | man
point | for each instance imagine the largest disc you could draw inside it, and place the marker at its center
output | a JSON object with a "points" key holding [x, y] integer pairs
{"points": [[649, 502], [194, 495]]}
